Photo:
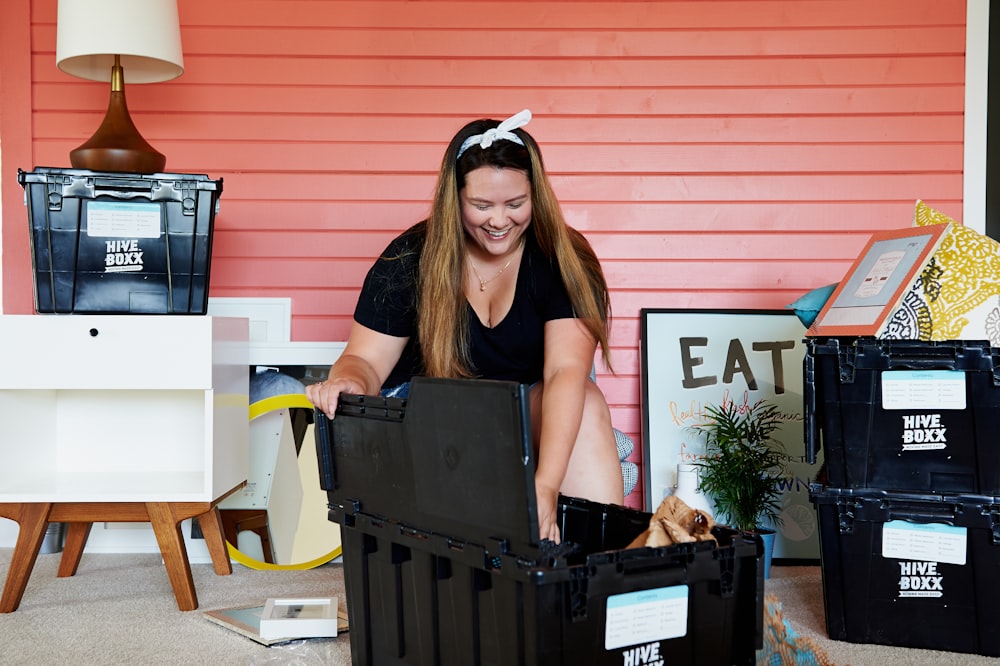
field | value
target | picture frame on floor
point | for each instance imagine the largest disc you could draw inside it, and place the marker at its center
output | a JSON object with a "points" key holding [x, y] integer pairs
{"points": [[246, 621]]}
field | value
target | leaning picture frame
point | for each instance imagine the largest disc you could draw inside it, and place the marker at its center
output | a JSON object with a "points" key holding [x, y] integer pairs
{"points": [[885, 270], [691, 358]]}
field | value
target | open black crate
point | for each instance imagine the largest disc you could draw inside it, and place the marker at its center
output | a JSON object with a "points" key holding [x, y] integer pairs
{"points": [[435, 497]]}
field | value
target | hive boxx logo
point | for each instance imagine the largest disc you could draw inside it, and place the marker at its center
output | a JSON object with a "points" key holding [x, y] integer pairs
{"points": [[920, 579], [644, 655], [923, 431], [123, 256]]}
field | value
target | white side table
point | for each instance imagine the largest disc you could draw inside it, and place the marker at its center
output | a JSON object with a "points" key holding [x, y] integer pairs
{"points": [[120, 418]]}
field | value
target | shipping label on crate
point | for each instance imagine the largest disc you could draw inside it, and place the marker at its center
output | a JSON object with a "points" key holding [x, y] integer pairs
{"points": [[923, 389], [123, 219], [932, 542], [642, 619]]}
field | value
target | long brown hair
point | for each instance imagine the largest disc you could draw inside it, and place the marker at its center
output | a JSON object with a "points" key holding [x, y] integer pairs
{"points": [[443, 328]]}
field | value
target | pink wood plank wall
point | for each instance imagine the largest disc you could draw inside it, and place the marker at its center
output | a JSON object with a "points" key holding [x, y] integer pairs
{"points": [[716, 153]]}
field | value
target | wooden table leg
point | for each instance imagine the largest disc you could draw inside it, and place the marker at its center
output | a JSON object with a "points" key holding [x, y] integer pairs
{"points": [[229, 525], [76, 539], [235, 521], [212, 530], [166, 526], [33, 521], [164, 517]]}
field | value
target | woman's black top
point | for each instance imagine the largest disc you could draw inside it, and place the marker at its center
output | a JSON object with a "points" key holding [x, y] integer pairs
{"points": [[512, 350]]}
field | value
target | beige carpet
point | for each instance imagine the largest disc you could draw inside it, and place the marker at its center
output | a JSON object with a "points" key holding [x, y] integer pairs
{"points": [[120, 609]]}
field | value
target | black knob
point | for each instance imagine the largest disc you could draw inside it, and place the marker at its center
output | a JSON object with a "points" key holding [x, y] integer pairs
{"points": [[93, 332]]}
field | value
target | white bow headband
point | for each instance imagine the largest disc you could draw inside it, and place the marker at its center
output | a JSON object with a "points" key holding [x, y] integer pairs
{"points": [[501, 131]]}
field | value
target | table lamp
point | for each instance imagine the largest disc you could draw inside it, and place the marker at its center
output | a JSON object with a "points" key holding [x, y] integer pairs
{"points": [[111, 40]]}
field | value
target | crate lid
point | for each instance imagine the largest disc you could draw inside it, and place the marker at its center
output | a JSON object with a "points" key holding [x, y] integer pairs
{"points": [[454, 459], [885, 354], [114, 179], [879, 505]]}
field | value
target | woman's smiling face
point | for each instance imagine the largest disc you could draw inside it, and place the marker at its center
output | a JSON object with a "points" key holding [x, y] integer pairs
{"points": [[496, 208]]}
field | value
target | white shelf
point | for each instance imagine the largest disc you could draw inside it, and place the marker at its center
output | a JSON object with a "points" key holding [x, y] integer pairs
{"points": [[137, 408], [295, 353], [91, 487]]}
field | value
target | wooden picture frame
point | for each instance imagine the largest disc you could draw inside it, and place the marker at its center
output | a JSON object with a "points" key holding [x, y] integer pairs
{"points": [[885, 270]]}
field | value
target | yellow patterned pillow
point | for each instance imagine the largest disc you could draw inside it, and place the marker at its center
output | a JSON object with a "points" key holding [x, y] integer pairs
{"points": [[956, 295]]}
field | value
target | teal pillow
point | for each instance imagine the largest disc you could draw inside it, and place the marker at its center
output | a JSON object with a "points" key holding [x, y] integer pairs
{"points": [[808, 306]]}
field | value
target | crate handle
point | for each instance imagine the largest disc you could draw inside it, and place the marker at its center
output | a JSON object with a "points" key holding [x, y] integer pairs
{"points": [[944, 513], [926, 363], [123, 184], [923, 516], [324, 454], [810, 429]]}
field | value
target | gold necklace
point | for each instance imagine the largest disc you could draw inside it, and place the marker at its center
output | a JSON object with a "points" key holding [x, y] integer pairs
{"points": [[482, 282]]}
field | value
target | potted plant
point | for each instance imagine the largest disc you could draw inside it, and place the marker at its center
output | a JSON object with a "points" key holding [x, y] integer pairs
{"points": [[744, 467]]}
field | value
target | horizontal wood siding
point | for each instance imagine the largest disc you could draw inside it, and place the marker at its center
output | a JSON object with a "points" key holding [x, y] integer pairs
{"points": [[716, 153]]}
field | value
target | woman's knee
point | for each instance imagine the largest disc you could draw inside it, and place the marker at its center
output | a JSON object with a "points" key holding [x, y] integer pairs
{"points": [[596, 412]]}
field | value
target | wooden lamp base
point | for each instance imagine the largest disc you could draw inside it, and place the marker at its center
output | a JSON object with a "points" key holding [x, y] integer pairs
{"points": [[117, 144]]}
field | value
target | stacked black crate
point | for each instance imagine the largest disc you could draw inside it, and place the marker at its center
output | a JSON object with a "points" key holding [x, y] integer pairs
{"points": [[120, 243], [909, 498]]}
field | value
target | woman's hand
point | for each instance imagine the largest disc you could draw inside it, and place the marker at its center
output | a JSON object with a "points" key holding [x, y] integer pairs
{"points": [[362, 367], [326, 395], [547, 499]]}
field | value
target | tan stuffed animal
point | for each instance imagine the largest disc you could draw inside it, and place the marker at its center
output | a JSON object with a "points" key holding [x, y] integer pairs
{"points": [[675, 522]]}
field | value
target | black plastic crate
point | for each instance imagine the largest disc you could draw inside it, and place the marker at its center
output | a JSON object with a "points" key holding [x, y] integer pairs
{"points": [[108, 242], [443, 564], [904, 415], [910, 570], [416, 597]]}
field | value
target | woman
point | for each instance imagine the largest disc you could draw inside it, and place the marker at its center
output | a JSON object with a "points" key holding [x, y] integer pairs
{"points": [[494, 284]]}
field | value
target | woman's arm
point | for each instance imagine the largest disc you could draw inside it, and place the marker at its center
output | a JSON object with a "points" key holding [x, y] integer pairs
{"points": [[569, 358], [366, 361]]}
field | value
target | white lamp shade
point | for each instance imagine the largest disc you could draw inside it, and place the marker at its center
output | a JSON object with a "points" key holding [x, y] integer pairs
{"points": [[145, 33]]}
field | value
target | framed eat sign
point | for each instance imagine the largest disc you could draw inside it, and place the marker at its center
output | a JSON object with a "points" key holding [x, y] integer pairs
{"points": [[694, 358]]}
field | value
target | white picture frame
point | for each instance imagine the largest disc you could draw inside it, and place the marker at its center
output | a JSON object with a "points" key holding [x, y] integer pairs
{"points": [[299, 618], [245, 620]]}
